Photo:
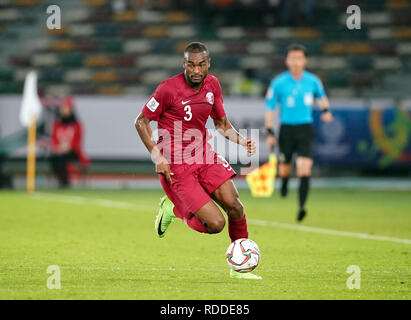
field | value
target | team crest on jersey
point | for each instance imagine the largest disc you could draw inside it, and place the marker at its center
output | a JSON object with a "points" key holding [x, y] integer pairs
{"points": [[210, 97], [152, 104]]}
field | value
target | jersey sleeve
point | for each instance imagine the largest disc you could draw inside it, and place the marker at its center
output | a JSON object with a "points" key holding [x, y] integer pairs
{"points": [[158, 102], [319, 91], [218, 107], [272, 95]]}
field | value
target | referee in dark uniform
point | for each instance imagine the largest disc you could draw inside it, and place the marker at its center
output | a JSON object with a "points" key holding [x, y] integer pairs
{"points": [[295, 91]]}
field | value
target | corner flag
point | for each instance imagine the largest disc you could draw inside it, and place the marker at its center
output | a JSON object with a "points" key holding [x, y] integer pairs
{"points": [[261, 180], [29, 113]]}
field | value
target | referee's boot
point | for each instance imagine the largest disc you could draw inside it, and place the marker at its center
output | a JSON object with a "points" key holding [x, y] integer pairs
{"points": [[301, 214]]}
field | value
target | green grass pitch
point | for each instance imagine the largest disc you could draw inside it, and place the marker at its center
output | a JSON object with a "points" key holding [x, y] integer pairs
{"points": [[105, 246]]}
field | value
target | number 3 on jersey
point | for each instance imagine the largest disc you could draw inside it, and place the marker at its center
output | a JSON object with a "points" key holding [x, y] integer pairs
{"points": [[189, 115]]}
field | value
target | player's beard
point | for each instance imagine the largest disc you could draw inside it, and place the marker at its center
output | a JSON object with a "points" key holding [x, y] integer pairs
{"points": [[194, 83]]}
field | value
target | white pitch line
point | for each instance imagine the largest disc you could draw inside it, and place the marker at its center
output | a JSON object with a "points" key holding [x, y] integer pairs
{"points": [[274, 224], [94, 201], [130, 206]]}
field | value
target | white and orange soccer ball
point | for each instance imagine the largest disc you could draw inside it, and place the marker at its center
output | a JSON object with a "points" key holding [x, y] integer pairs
{"points": [[243, 255]]}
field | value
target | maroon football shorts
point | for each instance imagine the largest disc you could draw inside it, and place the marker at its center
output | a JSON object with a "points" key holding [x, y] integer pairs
{"points": [[194, 183]]}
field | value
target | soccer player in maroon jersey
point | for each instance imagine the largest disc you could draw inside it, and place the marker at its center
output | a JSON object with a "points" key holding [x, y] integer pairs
{"points": [[191, 173]]}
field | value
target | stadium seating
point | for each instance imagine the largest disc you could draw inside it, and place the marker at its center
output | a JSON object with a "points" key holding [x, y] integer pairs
{"points": [[101, 50]]}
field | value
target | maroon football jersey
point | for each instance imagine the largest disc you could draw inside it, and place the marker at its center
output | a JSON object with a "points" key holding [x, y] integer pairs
{"points": [[182, 113]]}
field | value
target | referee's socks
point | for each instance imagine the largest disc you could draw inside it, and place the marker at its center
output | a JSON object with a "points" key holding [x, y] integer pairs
{"points": [[284, 186], [302, 195]]}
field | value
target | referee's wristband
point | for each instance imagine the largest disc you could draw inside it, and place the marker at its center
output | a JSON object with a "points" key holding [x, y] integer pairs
{"points": [[269, 131]]}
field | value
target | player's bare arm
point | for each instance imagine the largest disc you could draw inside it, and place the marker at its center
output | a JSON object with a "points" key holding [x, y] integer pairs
{"points": [[324, 105], [224, 127], [143, 128]]}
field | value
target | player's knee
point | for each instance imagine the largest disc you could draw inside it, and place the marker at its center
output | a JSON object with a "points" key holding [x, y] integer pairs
{"points": [[216, 226]]}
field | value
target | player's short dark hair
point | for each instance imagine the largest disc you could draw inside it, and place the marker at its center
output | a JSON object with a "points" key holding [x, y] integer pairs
{"points": [[296, 47], [196, 47]]}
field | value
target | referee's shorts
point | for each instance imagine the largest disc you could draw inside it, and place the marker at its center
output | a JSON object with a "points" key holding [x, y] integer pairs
{"points": [[297, 139]]}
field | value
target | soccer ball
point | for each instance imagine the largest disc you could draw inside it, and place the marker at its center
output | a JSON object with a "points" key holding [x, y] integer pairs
{"points": [[243, 255]]}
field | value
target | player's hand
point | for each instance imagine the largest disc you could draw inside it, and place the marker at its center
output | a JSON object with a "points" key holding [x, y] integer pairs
{"points": [[161, 163], [163, 168], [326, 117], [251, 146], [271, 141]]}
